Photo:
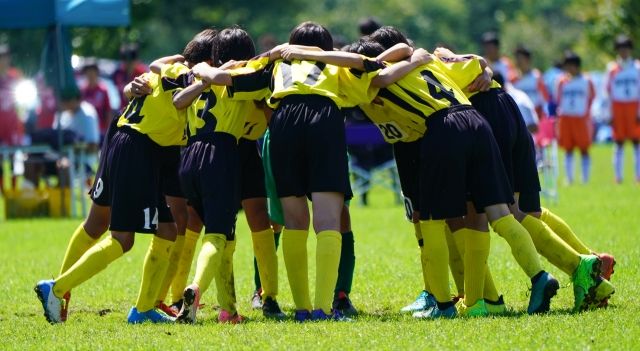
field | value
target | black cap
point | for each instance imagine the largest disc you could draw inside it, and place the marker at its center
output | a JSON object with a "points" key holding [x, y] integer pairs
{"points": [[571, 57], [490, 38], [623, 41], [523, 50]]}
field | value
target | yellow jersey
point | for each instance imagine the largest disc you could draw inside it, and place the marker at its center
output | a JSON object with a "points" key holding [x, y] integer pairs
{"points": [[461, 69], [255, 124], [154, 114]]}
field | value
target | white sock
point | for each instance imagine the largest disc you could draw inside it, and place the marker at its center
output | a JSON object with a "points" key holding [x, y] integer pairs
{"points": [[618, 155], [636, 153], [586, 168], [568, 163]]}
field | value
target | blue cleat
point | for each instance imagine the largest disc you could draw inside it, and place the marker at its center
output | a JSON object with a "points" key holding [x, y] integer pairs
{"points": [[51, 304], [423, 302], [320, 315], [542, 291], [153, 316], [435, 312], [302, 316]]}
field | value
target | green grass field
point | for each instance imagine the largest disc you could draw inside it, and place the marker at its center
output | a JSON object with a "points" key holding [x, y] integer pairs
{"points": [[387, 277]]}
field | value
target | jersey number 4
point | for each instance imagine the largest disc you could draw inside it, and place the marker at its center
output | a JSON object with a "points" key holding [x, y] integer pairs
{"points": [[437, 90], [312, 76]]}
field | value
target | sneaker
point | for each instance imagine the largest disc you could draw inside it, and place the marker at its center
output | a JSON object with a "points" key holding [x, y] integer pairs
{"points": [[153, 316], [607, 266], [478, 309], [542, 291], [64, 310], [423, 302], [335, 315], [271, 309], [435, 312], [169, 310], [584, 281], [497, 307], [256, 300], [302, 316], [51, 304], [601, 293], [226, 317], [190, 303], [342, 303]]}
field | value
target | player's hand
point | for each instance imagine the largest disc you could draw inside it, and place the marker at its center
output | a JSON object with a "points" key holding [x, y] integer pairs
{"points": [[443, 52], [421, 56], [176, 58], [292, 53], [231, 64], [481, 83], [276, 52], [200, 71], [140, 87]]}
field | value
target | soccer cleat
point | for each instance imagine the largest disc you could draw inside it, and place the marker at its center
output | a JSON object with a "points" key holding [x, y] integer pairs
{"points": [[478, 309], [435, 312], [169, 310], [51, 304], [153, 316], [271, 309], [342, 303], [226, 317], [190, 304], [542, 291], [256, 300], [584, 281], [423, 302], [608, 265], [64, 310], [302, 316], [335, 315], [601, 293], [497, 307]]}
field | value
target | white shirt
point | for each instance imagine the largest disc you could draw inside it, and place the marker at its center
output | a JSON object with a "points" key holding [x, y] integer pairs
{"points": [[624, 81], [525, 105], [84, 122]]}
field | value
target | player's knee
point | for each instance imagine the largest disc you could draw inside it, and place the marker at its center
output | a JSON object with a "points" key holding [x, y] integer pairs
{"points": [[167, 231], [455, 224], [495, 212], [125, 240], [345, 220]]}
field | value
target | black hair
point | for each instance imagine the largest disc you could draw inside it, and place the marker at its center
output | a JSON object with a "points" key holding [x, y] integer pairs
{"points": [[368, 25], [491, 38], [129, 51], [623, 41], [233, 43], [571, 58], [365, 47], [388, 36], [199, 48], [89, 64], [523, 51], [311, 34], [498, 77]]}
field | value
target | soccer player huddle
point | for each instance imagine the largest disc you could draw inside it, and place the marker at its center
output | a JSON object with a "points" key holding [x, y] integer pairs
{"points": [[184, 155]]}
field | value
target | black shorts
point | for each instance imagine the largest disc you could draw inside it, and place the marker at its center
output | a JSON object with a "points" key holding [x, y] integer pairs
{"points": [[308, 147], [169, 167], [251, 171], [459, 155], [129, 182], [209, 175], [516, 145], [407, 157]]}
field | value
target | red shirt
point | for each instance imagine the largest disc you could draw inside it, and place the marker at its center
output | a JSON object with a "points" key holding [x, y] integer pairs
{"points": [[11, 129], [99, 98], [121, 79]]}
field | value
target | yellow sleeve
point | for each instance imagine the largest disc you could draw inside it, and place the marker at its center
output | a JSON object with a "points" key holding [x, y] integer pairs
{"points": [[251, 82], [355, 86], [462, 70], [175, 77]]}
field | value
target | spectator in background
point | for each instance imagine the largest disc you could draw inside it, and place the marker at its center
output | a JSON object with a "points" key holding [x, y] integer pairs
{"points": [[530, 81], [497, 62], [47, 107], [95, 93], [130, 67], [80, 117], [524, 102], [11, 128], [368, 25], [623, 87], [575, 96]]}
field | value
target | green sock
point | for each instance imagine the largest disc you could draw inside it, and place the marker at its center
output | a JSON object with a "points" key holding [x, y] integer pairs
{"points": [[347, 264]]}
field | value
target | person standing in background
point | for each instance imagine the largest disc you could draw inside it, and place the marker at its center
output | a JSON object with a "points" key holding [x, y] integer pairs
{"points": [[11, 128], [623, 87], [497, 62], [530, 81], [130, 67], [95, 92]]}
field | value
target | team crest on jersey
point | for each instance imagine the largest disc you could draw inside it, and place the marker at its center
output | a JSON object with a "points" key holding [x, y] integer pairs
{"points": [[97, 191]]}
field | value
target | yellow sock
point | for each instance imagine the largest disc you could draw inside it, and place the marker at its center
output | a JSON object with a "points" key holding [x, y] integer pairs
{"points": [[153, 272], [477, 246], [437, 257], [554, 249], [174, 259], [327, 262], [294, 251], [455, 242], [91, 263], [179, 282], [519, 240], [79, 243], [423, 262], [490, 290], [209, 260], [264, 248], [562, 229], [225, 283]]}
